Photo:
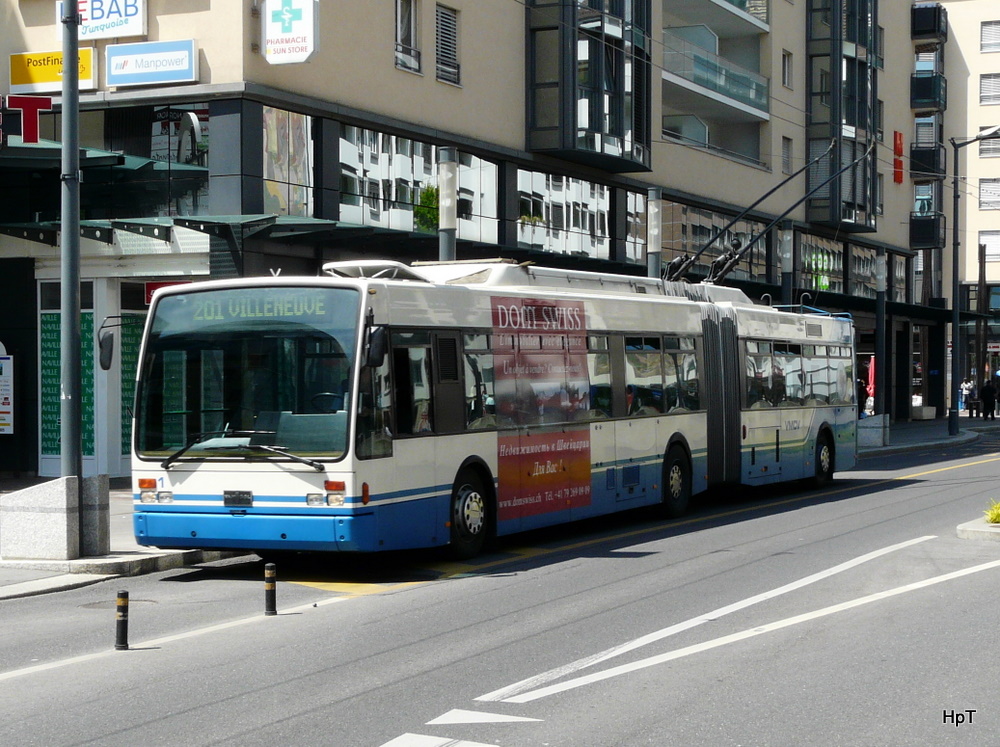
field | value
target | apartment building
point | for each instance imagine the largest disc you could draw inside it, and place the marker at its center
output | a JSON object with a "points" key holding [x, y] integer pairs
{"points": [[970, 59], [249, 137]]}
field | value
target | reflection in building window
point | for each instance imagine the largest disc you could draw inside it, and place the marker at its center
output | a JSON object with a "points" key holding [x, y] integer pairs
{"points": [[563, 215], [288, 163], [822, 263], [686, 229], [391, 182]]}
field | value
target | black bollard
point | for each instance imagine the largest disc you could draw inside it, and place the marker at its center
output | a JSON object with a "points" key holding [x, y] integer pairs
{"points": [[270, 592], [121, 622]]}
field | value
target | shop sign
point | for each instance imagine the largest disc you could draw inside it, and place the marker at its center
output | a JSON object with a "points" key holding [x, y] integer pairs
{"points": [[289, 30], [41, 72], [105, 19], [30, 107], [150, 63], [6, 395], [155, 286]]}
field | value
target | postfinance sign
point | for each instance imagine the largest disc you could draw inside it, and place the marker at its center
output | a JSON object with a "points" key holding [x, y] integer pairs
{"points": [[41, 72], [289, 30], [103, 19]]}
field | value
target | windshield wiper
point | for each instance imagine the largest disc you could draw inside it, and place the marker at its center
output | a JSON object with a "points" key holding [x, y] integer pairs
{"points": [[196, 439], [283, 451]]}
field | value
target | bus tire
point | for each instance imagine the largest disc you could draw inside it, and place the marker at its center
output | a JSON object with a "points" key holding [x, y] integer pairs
{"points": [[676, 482], [824, 459], [470, 516]]}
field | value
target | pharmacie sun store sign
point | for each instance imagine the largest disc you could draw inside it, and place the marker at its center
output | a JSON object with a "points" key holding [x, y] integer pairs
{"points": [[289, 30]]}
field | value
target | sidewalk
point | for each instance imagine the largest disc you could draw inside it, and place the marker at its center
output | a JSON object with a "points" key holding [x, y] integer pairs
{"points": [[20, 578]]}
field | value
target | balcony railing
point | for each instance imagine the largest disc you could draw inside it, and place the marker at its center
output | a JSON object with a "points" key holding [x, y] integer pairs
{"points": [[699, 66], [928, 91], [407, 58], [927, 231], [928, 161], [929, 22], [755, 8]]}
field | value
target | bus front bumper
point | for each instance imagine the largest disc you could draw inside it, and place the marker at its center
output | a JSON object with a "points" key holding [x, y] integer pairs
{"points": [[255, 532]]}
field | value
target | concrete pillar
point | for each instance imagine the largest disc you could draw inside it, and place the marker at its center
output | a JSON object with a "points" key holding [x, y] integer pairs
{"points": [[96, 534], [41, 522]]}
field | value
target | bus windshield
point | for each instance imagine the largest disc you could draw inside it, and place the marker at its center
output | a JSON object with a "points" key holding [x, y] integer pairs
{"points": [[255, 373]]}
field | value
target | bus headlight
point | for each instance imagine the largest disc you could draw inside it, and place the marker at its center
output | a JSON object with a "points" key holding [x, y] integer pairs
{"points": [[147, 496], [164, 497], [336, 490], [315, 499]]}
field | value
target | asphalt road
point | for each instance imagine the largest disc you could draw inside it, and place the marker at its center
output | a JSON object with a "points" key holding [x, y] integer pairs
{"points": [[848, 616]]}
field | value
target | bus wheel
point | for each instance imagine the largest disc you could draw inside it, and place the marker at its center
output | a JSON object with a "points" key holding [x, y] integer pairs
{"points": [[676, 482], [824, 459], [469, 516]]}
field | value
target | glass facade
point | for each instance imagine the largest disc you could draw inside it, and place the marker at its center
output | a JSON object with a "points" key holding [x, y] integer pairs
{"points": [[686, 229], [563, 215], [288, 163], [392, 182], [822, 263], [165, 163]]}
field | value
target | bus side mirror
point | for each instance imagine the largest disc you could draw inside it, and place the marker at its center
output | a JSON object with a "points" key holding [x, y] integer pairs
{"points": [[106, 345], [378, 338]]}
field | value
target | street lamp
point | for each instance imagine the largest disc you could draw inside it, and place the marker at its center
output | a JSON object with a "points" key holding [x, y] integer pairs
{"points": [[990, 133]]}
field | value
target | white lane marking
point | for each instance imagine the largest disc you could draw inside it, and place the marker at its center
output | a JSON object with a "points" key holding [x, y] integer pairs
{"points": [[553, 674], [743, 635], [458, 716], [158, 642], [422, 740]]}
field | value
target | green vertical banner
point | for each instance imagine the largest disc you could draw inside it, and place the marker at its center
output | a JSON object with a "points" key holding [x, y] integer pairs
{"points": [[51, 375], [131, 337]]}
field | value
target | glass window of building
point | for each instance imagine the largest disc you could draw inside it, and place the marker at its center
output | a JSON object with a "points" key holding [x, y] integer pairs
{"points": [[391, 182], [687, 230], [635, 241], [822, 263], [563, 215], [288, 163], [164, 171], [862, 271]]}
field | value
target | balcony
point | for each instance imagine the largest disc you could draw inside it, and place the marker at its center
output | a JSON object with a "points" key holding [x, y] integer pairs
{"points": [[928, 91], [705, 84], [927, 231], [928, 161], [929, 23], [727, 18]]}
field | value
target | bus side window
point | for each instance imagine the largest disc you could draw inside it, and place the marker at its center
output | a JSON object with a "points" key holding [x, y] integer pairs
{"points": [[758, 381], [375, 412]]}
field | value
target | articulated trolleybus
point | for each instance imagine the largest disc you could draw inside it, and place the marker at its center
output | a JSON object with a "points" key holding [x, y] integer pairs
{"points": [[385, 407]]}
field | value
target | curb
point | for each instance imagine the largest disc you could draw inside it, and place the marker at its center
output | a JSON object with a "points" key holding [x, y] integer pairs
{"points": [[979, 530], [86, 571], [964, 437]]}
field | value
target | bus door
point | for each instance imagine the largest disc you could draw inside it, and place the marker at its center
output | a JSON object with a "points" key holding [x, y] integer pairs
{"points": [[761, 430]]}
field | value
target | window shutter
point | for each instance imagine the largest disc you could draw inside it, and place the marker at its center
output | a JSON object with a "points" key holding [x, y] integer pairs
{"points": [[989, 88], [989, 36], [989, 194], [992, 241], [447, 45]]}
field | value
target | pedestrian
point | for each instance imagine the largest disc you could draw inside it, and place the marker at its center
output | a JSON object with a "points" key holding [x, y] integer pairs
{"points": [[965, 390], [988, 396]]}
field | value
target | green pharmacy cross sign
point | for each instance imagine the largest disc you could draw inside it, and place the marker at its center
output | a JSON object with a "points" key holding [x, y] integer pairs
{"points": [[289, 30], [286, 15]]}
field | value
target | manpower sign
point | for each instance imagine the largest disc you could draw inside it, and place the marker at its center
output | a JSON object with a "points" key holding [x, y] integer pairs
{"points": [[289, 30], [146, 63]]}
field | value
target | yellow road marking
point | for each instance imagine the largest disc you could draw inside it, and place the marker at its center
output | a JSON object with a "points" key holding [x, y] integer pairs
{"points": [[451, 570]]}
